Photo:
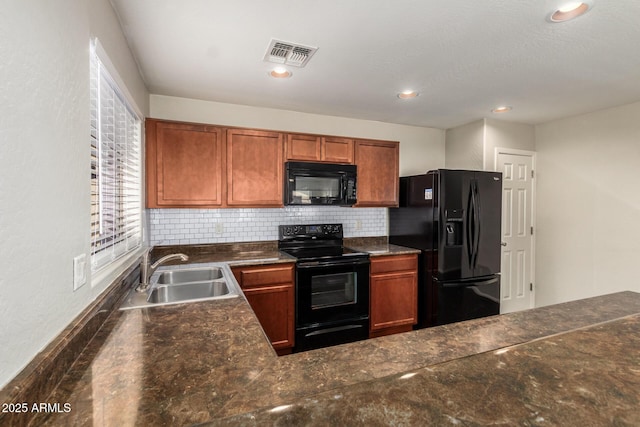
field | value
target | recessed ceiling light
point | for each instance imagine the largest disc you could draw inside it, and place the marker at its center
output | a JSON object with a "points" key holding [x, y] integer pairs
{"points": [[501, 109], [280, 73], [407, 94], [570, 10]]}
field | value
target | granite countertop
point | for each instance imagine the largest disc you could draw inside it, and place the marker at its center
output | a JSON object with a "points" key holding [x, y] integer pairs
{"points": [[377, 246], [232, 253], [385, 249], [210, 362], [267, 252]]}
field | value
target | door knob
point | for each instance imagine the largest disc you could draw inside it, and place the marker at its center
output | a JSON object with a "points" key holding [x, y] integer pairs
{"points": [[503, 244]]}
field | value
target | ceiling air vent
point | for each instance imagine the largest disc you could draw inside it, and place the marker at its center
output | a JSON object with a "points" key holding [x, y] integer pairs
{"points": [[286, 53]]}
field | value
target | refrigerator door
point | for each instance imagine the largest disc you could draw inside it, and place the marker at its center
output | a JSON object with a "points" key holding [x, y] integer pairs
{"points": [[487, 199], [453, 224], [411, 224], [464, 300]]}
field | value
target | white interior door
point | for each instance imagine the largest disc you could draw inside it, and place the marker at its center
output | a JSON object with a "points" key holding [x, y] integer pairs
{"points": [[517, 290]]}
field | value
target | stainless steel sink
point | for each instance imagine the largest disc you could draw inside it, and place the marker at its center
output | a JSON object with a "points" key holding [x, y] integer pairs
{"points": [[187, 292], [185, 284], [190, 275]]}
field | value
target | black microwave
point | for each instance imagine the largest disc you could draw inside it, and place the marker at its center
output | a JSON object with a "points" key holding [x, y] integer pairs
{"points": [[319, 184]]}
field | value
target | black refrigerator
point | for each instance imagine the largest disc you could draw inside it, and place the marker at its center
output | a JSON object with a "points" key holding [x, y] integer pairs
{"points": [[454, 218]]}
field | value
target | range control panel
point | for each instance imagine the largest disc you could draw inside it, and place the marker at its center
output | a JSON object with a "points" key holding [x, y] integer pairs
{"points": [[311, 231]]}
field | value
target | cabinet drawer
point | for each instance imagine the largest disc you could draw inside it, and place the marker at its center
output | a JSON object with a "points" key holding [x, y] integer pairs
{"points": [[387, 264], [265, 275]]}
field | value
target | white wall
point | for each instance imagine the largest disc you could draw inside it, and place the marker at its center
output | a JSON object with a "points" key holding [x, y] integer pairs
{"points": [[501, 134], [472, 146], [588, 220], [44, 164], [421, 149], [464, 146]]}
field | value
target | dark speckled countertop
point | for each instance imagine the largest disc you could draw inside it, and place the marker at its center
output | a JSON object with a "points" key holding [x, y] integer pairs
{"points": [[209, 362]]}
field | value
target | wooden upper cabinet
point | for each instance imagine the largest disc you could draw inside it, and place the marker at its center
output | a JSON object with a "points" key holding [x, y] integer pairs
{"points": [[337, 150], [378, 172], [314, 148], [184, 166], [192, 165], [255, 168], [303, 147]]}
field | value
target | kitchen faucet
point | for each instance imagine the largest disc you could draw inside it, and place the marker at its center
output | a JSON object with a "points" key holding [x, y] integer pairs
{"points": [[147, 269]]}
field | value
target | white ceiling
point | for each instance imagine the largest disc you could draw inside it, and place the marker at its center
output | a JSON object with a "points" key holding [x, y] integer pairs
{"points": [[463, 56]]}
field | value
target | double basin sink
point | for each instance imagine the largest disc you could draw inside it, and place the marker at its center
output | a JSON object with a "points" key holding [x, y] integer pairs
{"points": [[183, 284]]}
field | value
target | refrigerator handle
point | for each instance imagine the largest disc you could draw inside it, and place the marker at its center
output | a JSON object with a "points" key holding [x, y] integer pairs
{"points": [[466, 284], [469, 227], [476, 220], [473, 225]]}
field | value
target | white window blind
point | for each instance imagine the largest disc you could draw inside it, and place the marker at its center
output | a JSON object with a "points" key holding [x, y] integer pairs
{"points": [[116, 165]]}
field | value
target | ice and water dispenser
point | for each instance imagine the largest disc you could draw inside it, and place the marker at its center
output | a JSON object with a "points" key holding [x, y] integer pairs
{"points": [[453, 227]]}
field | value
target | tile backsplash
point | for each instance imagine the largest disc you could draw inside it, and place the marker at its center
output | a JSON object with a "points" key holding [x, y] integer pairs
{"points": [[202, 226]]}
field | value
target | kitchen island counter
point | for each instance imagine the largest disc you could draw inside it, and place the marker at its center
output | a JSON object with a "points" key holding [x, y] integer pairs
{"points": [[210, 362]]}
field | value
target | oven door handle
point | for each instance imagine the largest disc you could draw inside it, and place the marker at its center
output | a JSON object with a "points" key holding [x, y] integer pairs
{"points": [[332, 330], [347, 261]]}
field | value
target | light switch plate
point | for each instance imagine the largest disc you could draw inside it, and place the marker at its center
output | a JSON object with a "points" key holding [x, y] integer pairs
{"points": [[79, 271]]}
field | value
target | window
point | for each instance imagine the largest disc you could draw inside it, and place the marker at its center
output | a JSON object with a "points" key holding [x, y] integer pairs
{"points": [[116, 164]]}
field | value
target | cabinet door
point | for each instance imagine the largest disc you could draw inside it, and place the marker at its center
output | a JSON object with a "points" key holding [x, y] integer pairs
{"points": [[378, 176], [303, 147], [337, 150], [184, 165], [394, 294], [270, 292], [254, 168], [273, 306], [394, 300]]}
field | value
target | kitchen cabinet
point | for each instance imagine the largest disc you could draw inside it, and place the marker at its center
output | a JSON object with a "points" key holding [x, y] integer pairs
{"points": [[202, 166], [270, 291], [393, 299], [378, 172], [184, 165], [316, 148], [303, 147], [255, 168]]}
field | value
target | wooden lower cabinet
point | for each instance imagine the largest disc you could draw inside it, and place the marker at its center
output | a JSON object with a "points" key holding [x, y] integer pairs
{"points": [[393, 297], [270, 291]]}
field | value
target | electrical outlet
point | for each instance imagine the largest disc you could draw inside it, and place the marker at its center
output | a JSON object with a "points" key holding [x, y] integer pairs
{"points": [[79, 271], [358, 224], [219, 228]]}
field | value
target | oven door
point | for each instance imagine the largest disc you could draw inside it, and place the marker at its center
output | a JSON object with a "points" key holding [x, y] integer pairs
{"points": [[332, 291]]}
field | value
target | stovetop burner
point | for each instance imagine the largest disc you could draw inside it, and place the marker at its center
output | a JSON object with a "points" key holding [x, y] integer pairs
{"points": [[322, 252], [315, 242]]}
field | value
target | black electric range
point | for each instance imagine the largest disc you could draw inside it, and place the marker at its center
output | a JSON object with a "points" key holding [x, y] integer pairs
{"points": [[332, 285]]}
